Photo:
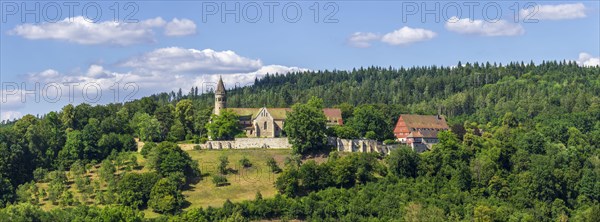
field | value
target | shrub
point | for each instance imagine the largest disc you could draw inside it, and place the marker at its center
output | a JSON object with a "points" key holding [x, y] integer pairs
{"points": [[403, 162], [390, 141], [39, 174], [223, 161], [147, 148], [203, 140], [272, 164], [134, 188], [219, 180], [165, 197], [371, 135], [197, 147], [245, 162]]}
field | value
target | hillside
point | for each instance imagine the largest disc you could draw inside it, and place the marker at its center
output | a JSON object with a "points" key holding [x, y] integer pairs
{"points": [[523, 146], [243, 185]]}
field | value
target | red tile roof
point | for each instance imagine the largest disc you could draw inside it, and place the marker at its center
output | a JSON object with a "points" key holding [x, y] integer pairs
{"points": [[419, 126], [425, 121]]}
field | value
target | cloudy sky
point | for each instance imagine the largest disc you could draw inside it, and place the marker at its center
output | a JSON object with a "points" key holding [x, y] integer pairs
{"points": [[54, 53]]}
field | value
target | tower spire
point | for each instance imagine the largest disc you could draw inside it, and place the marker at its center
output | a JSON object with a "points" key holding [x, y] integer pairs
{"points": [[220, 86], [220, 97]]}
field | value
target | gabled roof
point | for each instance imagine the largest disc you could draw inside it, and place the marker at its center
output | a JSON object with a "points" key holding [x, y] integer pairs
{"points": [[278, 113], [245, 112], [426, 126], [281, 113], [333, 113], [220, 87], [424, 121], [423, 134]]}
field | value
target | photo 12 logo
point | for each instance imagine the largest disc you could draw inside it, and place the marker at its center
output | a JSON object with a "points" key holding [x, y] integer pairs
{"points": [[55, 11], [253, 12], [449, 11], [53, 92]]}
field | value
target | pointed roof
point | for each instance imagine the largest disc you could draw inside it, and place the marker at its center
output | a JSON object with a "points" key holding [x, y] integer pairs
{"points": [[220, 87]]}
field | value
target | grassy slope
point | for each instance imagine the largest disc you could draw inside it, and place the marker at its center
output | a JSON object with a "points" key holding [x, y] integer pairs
{"points": [[243, 185]]}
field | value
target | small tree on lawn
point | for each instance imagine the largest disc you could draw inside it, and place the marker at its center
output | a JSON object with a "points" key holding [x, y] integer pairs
{"points": [[219, 180], [223, 162], [272, 164], [245, 162]]}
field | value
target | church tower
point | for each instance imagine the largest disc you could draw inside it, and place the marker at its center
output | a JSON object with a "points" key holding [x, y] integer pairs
{"points": [[220, 98]]}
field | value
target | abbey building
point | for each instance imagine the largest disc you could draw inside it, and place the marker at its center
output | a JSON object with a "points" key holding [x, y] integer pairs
{"points": [[265, 122]]}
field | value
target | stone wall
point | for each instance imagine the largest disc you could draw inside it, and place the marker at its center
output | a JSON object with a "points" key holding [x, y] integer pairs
{"points": [[341, 145], [246, 143], [360, 145]]}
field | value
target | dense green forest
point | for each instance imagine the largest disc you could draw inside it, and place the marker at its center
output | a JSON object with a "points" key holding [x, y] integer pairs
{"points": [[523, 147]]}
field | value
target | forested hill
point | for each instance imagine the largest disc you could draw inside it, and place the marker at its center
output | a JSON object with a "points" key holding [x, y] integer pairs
{"points": [[477, 92], [523, 147]]}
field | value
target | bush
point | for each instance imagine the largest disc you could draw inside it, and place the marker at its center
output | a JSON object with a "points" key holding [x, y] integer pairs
{"points": [[67, 198], [223, 161], [134, 188], [147, 148], [167, 158], [271, 163], [39, 174], [219, 180], [197, 147], [403, 162], [245, 162], [203, 140], [390, 141], [371, 135], [165, 197]]}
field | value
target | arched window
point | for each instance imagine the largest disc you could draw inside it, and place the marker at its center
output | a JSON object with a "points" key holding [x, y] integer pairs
{"points": [[265, 126]]}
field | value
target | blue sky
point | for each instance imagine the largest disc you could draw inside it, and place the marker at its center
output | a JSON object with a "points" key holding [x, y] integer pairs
{"points": [[180, 44]]}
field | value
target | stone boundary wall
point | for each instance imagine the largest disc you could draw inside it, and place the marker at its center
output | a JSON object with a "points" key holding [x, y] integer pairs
{"points": [[341, 145], [247, 143], [360, 145]]}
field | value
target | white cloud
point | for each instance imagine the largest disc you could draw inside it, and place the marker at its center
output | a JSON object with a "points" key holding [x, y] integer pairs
{"points": [[362, 39], [407, 35], [10, 115], [180, 27], [243, 79], [175, 60], [555, 12], [161, 70], [483, 28], [586, 59], [81, 31]]}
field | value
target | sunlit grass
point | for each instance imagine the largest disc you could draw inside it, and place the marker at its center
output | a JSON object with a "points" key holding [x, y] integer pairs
{"points": [[244, 183]]}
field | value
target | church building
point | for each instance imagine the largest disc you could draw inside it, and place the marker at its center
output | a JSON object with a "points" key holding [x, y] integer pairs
{"points": [[265, 122]]}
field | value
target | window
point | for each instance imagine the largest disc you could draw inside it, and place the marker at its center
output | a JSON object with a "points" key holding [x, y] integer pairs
{"points": [[265, 126]]}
